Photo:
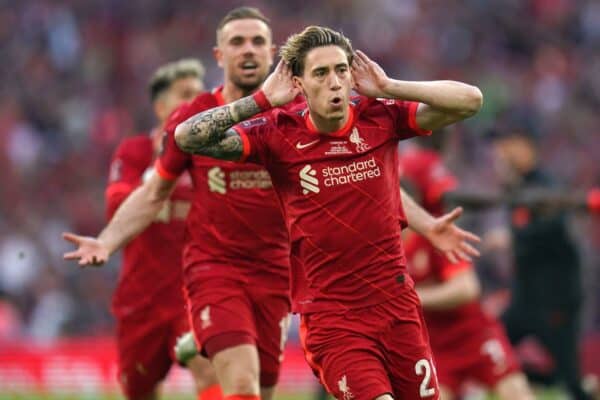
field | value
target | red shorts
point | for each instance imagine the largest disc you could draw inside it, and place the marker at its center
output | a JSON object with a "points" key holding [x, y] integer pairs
{"points": [[145, 348], [485, 356], [364, 353], [227, 313]]}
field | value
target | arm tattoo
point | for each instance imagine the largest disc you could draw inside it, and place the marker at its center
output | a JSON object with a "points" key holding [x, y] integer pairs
{"points": [[208, 133]]}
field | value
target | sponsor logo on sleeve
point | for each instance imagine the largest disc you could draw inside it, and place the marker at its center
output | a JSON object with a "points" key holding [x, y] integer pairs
{"points": [[115, 173], [254, 122]]}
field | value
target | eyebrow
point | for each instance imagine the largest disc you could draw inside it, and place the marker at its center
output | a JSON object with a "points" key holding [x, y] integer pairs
{"points": [[321, 67], [244, 37]]}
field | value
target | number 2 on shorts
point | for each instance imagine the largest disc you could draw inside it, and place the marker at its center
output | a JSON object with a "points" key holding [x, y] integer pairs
{"points": [[423, 367]]}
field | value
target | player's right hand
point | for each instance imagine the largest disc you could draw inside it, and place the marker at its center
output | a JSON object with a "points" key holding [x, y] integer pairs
{"points": [[279, 87], [90, 251]]}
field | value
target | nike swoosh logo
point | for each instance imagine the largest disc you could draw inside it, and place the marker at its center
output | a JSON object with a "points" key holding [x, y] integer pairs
{"points": [[301, 146]]}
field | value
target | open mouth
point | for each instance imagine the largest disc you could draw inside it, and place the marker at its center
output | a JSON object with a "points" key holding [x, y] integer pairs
{"points": [[336, 101], [249, 66]]}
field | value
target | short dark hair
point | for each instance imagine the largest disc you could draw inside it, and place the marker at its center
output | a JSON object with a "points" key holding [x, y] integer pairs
{"points": [[164, 76], [298, 45], [242, 13]]}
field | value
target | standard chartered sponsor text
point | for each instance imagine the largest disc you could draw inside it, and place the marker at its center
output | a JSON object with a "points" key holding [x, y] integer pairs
{"points": [[250, 180], [354, 172]]}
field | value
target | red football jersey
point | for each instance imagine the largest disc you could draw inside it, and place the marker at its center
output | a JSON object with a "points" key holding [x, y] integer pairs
{"points": [[340, 196], [235, 227], [428, 176], [428, 266], [151, 274]]}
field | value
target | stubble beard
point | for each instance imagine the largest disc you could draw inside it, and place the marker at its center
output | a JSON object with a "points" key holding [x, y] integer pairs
{"points": [[246, 87]]}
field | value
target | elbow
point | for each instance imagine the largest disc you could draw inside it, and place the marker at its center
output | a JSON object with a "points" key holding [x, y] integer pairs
{"points": [[472, 290], [156, 191], [473, 101], [182, 133]]}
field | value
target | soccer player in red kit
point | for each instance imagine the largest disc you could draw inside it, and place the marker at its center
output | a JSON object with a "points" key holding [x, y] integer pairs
{"points": [[148, 303], [466, 342], [333, 164], [236, 255], [236, 250]]}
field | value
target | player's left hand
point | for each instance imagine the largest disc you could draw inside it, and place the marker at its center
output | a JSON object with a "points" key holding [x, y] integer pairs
{"points": [[369, 78], [452, 240]]}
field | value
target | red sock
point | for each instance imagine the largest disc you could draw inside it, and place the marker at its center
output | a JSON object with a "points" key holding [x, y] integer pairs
{"points": [[242, 397], [211, 393]]}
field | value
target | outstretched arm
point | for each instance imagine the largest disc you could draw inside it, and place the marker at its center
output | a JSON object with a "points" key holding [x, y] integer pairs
{"points": [[443, 234], [209, 133], [536, 198], [460, 289], [444, 102], [133, 216]]}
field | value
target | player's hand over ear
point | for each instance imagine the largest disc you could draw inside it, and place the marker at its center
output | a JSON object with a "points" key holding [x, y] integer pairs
{"points": [[369, 78], [279, 87]]}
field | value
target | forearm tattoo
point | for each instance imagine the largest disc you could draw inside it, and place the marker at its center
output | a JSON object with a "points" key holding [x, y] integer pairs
{"points": [[208, 133]]}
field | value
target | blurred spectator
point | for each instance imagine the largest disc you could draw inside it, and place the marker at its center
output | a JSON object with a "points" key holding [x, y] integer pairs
{"points": [[546, 296]]}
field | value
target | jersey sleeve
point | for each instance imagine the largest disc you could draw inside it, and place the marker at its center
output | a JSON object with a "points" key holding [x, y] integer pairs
{"points": [[438, 180], [126, 170], [256, 134], [172, 161], [404, 114]]}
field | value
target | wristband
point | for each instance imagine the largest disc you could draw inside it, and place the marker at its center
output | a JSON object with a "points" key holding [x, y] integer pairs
{"points": [[593, 200], [261, 101]]}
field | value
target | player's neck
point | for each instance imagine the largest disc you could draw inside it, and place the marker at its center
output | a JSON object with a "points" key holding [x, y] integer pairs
{"points": [[231, 92], [325, 125]]}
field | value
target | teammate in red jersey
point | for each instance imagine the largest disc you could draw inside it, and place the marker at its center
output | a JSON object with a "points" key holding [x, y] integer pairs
{"points": [[236, 252], [148, 303], [236, 235], [466, 342], [237, 255], [333, 164]]}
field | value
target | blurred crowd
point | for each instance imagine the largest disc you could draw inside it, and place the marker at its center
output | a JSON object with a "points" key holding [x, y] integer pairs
{"points": [[74, 77]]}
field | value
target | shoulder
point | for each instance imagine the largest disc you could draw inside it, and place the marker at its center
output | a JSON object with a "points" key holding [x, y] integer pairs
{"points": [[138, 144], [417, 159], [202, 102], [363, 103], [133, 152], [370, 107], [276, 118], [370, 104]]}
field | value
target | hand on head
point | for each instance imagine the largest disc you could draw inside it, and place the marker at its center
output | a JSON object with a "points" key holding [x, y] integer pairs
{"points": [[279, 86], [369, 78]]}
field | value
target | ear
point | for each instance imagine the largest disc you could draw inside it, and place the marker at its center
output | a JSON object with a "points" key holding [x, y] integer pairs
{"points": [[297, 81], [218, 54], [272, 53], [160, 109]]}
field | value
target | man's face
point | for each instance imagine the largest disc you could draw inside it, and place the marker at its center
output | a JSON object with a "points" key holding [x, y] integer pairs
{"points": [[181, 90], [245, 52], [326, 82], [514, 156]]}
